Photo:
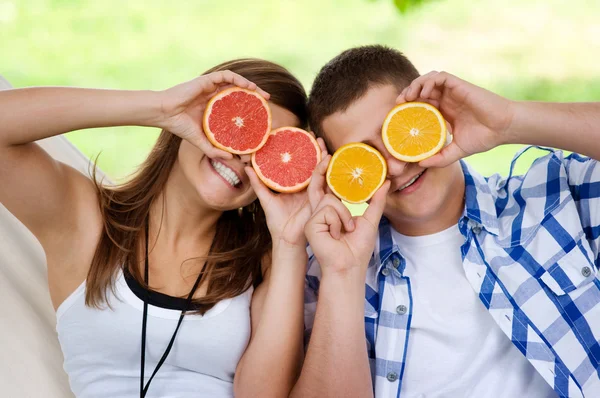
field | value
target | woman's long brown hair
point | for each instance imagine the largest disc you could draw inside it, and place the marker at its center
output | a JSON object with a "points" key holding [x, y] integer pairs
{"points": [[241, 240]]}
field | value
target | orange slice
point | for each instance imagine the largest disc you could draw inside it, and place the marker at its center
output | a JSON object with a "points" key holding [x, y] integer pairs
{"points": [[414, 131], [356, 171]]}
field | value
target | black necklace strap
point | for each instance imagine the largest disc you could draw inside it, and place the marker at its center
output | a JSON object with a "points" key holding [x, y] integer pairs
{"points": [[144, 390], [145, 316]]}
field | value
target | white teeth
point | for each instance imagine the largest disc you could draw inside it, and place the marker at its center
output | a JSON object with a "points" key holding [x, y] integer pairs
{"points": [[408, 184], [225, 172]]}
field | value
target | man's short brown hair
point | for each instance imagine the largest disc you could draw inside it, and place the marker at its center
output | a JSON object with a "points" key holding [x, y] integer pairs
{"points": [[347, 77]]}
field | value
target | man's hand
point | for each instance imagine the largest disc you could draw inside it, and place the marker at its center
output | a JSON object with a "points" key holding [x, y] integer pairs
{"points": [[479, 119], [339, 241]]}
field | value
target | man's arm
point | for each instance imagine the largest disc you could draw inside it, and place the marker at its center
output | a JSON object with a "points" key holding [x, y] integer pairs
{"points": [[336, 363], [574, 127], [481, 120]]}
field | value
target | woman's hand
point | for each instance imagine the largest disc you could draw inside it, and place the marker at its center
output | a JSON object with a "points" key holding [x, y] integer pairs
{"points": [[286, 213], [182, 107]]}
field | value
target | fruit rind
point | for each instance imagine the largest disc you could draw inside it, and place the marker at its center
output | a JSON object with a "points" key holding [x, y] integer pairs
{"points": [[337, 154], [413, 159], [272, 184]]}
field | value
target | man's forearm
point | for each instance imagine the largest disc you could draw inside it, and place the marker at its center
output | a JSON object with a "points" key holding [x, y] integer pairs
{"points": [[571, 126], [336, 363]]}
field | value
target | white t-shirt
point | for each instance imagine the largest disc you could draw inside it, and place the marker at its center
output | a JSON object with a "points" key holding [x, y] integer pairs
{"points": [[455, 348]]}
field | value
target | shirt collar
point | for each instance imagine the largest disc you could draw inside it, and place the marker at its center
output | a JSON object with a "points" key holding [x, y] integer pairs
{"points": [[480, 209], [480, 205], [385, 246]]}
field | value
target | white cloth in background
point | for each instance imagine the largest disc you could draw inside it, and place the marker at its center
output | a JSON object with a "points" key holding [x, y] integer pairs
{"points": [[31, 362]]}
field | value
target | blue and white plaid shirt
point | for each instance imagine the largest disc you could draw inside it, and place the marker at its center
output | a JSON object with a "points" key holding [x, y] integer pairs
{"points": [[530, 254]]}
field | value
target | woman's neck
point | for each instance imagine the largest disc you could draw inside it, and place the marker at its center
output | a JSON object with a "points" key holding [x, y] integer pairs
{"points": [[179, 222]]}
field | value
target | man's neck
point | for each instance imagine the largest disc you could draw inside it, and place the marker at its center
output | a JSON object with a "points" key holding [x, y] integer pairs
{"points": [[451, 211]]}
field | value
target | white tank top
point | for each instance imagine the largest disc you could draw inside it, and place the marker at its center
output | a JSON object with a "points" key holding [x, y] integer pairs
{"points": [[102, 348]]}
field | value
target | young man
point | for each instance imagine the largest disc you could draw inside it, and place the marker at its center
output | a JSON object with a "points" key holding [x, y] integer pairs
{"points": [[475, 287]]}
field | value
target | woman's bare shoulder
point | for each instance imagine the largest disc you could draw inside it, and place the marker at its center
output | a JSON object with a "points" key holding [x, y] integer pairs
{"points": [[71, 245]]}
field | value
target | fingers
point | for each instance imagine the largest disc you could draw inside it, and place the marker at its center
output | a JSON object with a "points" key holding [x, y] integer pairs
{"points": [[427, 87], [342, 211], [217, 79], [445, 157], [200, 141], [423, 86], [432, 101], [331, 218], [316, 187], [325, 220], [323, 147], [324, 154], [261, 190], [377, 205], [263, 93]]}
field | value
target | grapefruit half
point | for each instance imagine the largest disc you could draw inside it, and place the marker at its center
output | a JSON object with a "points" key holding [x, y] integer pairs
{"points": [[237, 120], [288, 159]]}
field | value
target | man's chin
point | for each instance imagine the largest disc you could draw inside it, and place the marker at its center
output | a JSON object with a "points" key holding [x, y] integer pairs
{"points": [[404, 212]]}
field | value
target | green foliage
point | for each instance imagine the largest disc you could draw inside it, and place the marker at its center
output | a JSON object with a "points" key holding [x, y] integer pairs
{"points": [[405, 5]]}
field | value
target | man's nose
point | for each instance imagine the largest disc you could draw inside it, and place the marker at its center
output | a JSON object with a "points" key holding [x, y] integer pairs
{"points": [[395, 167]]}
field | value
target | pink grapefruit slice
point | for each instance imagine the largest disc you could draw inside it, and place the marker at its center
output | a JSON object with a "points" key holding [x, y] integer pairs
{"points": [[288, 159], [237, 120]]}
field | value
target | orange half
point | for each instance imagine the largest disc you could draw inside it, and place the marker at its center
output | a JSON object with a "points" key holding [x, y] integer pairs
{"points": [[414, 131], [356, 171]]}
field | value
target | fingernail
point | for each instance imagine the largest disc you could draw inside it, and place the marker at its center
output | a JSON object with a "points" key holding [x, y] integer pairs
{"points": [[351, 224], [408, 90]]}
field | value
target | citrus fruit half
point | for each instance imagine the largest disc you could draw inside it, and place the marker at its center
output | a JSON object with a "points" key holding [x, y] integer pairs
{"points": [[286, 162], [237, 120], [356, 171], [414, 131]]}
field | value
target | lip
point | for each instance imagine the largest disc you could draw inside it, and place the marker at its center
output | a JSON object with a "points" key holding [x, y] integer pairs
{"points": [[415, 185], [397, 186], [239, 186]]}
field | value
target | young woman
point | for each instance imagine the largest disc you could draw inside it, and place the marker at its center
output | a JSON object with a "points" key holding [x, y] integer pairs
{"points": [[179, 276]]}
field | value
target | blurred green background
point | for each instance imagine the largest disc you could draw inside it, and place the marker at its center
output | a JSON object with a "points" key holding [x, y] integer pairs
{"points": [[523, 49]]}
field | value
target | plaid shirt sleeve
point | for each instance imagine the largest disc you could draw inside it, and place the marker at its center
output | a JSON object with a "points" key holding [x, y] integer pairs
{"points": [[533, 260], [583, 176]]}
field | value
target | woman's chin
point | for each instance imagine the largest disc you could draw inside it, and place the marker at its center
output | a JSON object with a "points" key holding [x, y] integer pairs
{"points": [[222, 201]]}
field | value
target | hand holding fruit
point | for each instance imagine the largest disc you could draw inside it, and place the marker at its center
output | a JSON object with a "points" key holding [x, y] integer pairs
{"points": [[286, 214], [339, 241], [479, 118], [182, 107]]}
